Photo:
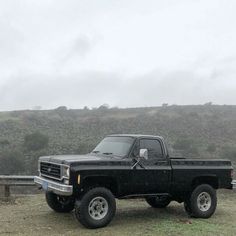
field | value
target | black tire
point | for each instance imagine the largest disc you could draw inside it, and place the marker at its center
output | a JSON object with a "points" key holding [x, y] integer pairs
{"points": [[187, 207], [60, 204], [203, 201], [158, 202], [96, 209]]}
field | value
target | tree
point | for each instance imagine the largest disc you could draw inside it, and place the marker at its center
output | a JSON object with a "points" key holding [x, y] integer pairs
{"points": [[61, 108], [104, 107], [208, 104], [36, 141], [164, 104], [86, 108]]}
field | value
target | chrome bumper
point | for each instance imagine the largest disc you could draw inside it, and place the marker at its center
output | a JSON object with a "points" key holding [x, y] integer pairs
{"points": [[57, 188], [234, 185]]}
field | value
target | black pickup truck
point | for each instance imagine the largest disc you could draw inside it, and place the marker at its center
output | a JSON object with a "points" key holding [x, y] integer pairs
{"points": [[130, 166]]}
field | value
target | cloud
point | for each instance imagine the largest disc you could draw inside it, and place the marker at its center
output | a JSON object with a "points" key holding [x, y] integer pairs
{"points": [[98, 87], [87, 88], [125, 53], [78, 48]]}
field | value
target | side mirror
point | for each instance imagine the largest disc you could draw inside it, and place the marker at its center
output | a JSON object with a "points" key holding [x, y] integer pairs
{"points": [[143, 153]]}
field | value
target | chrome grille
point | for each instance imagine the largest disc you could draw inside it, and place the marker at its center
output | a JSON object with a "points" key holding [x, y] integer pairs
{"points": [[50, 170]]}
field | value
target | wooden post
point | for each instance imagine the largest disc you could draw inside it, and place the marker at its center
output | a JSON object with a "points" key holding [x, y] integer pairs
{"points": [[7, 191]]}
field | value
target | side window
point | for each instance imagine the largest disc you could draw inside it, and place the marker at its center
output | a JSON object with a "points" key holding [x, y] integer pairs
{"points": [[153, 146]]}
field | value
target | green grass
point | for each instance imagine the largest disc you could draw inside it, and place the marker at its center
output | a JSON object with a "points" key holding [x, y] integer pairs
{"points": [[31, 216]]}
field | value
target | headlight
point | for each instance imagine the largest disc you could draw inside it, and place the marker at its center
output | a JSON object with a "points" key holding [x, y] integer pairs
{"points": [[66, 172], [38, 166]]}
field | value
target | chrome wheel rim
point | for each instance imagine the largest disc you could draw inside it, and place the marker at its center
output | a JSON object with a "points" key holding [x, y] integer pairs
{"points": [[98, 208], [204, 201]]}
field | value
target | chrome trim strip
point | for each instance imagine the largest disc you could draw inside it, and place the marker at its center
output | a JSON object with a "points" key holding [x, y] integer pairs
{"points": [[57, 188], [51, 177], [54, 163]]}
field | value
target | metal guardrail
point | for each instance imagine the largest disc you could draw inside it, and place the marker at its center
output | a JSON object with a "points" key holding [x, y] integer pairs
{"points": [[234, 184], [15, 180]]}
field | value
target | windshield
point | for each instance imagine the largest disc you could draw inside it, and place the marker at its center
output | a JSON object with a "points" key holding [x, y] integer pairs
{"points": [[118, 146]]}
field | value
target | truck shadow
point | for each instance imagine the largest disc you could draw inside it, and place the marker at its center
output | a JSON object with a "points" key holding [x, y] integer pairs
{"points": [[128, 215], [149, 213]]}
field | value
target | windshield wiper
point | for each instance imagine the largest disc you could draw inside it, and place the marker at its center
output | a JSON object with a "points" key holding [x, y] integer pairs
{"points": [[107, 153], [95, 151]]}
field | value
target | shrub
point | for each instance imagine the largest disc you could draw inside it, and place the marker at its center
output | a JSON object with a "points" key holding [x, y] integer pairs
{"points": [[4, 142], [229, 152], [182, 144], [186, 147], [12, 162], [35, 141], [211, 148]]}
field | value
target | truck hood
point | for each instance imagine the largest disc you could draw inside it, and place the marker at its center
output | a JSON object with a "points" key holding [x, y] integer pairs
{"points": [[74, 159]]}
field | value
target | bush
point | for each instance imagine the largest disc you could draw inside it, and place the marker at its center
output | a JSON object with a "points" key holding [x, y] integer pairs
{"points": [[4, 142], [84, 148], [182, 144], [211, 148], [31, 161], [36, 141], [229, 152], [11, 163], [186, 147]]}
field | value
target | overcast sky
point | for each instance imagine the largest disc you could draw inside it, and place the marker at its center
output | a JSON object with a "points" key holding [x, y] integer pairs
{"points": [[122, 52]]}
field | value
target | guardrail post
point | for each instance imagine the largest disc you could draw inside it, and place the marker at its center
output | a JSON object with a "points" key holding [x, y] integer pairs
{"points": [[6, 191], [14, 180]]}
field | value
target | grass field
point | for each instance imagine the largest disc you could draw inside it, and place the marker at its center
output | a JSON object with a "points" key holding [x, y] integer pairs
{"points": [[30, 215]]}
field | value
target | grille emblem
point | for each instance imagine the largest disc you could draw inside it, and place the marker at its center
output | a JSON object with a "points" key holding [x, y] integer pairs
{"points": [[49, 170]]}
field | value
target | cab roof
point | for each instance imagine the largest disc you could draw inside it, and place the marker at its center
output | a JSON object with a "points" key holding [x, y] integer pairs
{"points": [[136, 136]]}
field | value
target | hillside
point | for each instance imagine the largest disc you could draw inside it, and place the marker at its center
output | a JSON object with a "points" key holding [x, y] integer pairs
{"points": [[207, 131]]}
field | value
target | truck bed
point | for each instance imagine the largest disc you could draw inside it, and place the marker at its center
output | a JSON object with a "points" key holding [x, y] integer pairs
{"points": [[187, 170]]}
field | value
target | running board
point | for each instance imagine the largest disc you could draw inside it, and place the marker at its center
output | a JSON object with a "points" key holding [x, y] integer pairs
{"points": [[145, 195]]}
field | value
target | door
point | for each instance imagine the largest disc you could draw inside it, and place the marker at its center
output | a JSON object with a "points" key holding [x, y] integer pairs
{"points": [[151, 175]]}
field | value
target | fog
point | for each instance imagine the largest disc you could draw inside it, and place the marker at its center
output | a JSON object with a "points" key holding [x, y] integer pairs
{"points": [[124, 53]]}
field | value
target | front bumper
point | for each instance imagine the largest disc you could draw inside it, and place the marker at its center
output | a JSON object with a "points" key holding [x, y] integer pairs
{"points": [[234, 185], [57, 188]]}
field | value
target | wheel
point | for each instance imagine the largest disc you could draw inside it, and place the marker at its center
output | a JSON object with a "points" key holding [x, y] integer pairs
{"points": [[203, 201], [96, 209], [60, 203], [158, 202], [187, 208]]}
